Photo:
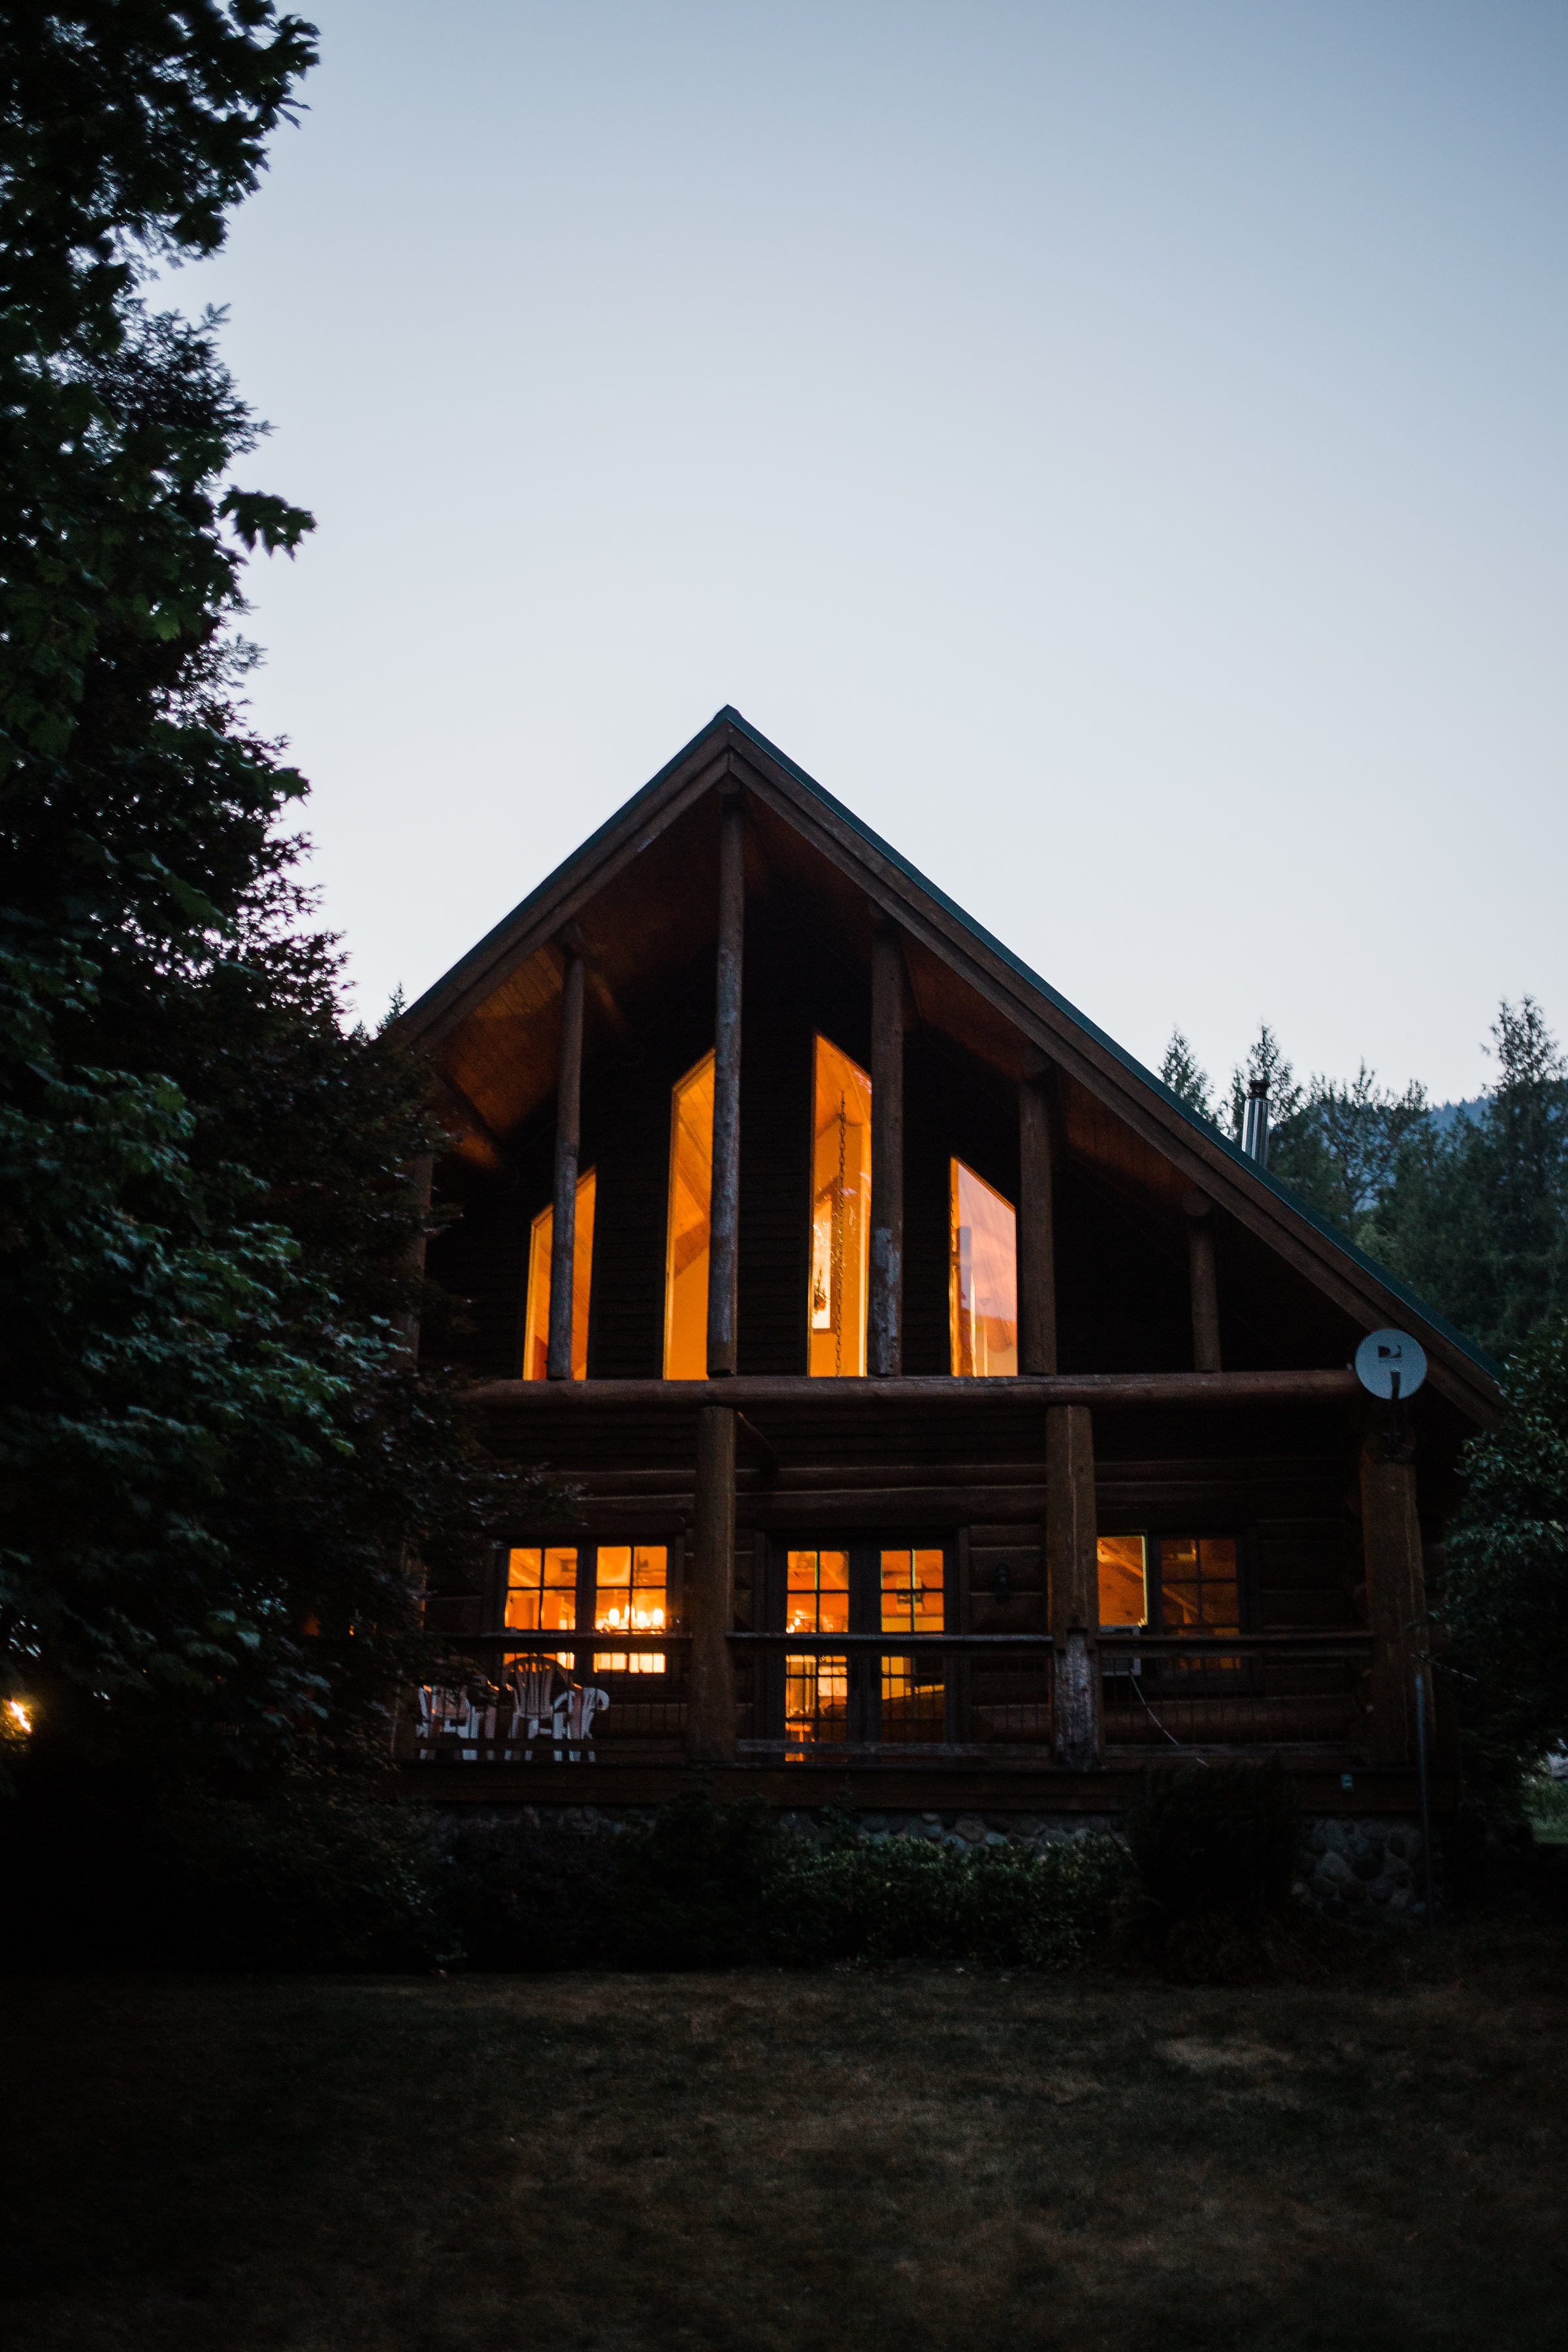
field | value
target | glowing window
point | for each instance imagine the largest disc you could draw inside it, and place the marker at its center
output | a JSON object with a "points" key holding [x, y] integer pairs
{"points": [[816, 1690], [1198, 1585], [686, 1252], [542, 1591], [913, 1698], [631, 1596], [840, 1211], [1123, 1592], [983, 1288], [536, 1346]]}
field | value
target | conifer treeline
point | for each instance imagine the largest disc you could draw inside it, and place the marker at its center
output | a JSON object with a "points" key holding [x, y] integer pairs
{"points": [[1472, 1211]]}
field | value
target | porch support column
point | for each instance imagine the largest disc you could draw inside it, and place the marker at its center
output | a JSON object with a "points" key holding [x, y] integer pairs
{"points": [[1204, 1282], [886, 1317], [1073, 1569], [1395, 1589], [568, 1125], [420, 1176], [709, 1596], [1036, 1228], [724, 1215]]}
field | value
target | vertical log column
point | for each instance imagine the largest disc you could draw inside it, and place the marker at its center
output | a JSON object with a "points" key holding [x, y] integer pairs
{"points": [[568, 1126], [1204, 1282], [724, 1215], [1036, 1229], [886, 1317], [1073, 1567], [710, 1592], [1395, 1589]]}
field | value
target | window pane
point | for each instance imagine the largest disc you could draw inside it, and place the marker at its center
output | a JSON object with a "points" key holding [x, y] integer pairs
{"points": [[1198, 1584], [912, 1592], [541, 1590], [631, 1586], [983, 1289], [840, 1212], [817, 1700], [817, 1593], [536, 1344], [1123, 1594], [914, 1702], [686, 1250]]}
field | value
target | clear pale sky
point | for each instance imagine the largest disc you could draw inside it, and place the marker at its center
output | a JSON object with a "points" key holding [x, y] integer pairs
{"points": [[1116, 445]]}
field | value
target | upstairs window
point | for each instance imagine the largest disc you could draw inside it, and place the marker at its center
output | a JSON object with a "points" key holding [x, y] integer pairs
{"points": [[840, 1212], [687, 1246], [541, 1241], [983, 1289]]}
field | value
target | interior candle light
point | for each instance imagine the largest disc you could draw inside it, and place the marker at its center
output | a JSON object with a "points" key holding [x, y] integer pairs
{"points": [[19, 1714]]}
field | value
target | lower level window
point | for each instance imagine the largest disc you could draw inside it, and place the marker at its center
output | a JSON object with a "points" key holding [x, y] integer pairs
{"points": [[816, 1689], [631, 1595], [542, 1591], [1172, 1584], [914, 1701]]}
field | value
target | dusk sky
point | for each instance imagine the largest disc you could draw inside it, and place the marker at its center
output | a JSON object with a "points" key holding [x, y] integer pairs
{"points": [[1118, 449]]}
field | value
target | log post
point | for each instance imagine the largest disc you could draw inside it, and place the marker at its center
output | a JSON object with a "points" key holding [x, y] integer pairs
{"points": [[1036, 1230], [420, 1174], [709, 1596], [886, 1316], [1395, 1589], [568, 1124], [1072, 1566], [724, 1213], [1204, 1279]]}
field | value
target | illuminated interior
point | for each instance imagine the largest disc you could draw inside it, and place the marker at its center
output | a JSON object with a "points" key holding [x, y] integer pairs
{"points": [[816, 1690], [631, 1596], [536, 1346], [913, 1700], [1123, 1587], [983, 1289], [691, 1197], [1198, 1592], [840, 1211], [542, 1591]]}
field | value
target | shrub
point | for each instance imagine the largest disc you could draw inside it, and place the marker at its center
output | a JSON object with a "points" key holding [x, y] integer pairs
{"points": [[1220, 1838], [517, 1892], [695, 1883], [901, 1898]]}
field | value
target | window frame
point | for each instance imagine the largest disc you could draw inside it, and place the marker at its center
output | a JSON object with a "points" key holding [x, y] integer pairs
{"points": [[863, 1727], [584, 1636]]}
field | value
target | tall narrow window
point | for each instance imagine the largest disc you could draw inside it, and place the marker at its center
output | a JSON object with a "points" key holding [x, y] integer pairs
{"points": [[686, 1250], [631, 1584], [1123, 1592], [840, 1211], [983, 1289], [816, 1689], [541, 1239], [913, 1699]]}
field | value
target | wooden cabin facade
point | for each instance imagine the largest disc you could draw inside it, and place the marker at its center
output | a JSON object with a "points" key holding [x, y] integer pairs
{"points": [[954, 1419]]}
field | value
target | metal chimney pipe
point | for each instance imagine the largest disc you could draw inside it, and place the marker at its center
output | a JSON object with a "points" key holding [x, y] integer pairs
{"points": [[1255, 1122]]}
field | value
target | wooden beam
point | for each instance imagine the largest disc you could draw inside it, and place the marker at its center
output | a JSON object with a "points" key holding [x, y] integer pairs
{"points": [[724, 1215], [1117, 1390], [886, 1313], [1036, 1230], [709, 1592], [568, 1122], [1396, 1591], [1204, 1279], [1072, 1567]]}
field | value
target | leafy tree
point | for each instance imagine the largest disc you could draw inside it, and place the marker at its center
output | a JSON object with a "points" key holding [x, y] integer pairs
{"points": [[1505, 1599], [1187, 1080], [212, 1439]]}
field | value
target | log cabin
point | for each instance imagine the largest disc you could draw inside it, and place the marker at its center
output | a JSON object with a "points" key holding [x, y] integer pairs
{"points": [[954, 1419]]}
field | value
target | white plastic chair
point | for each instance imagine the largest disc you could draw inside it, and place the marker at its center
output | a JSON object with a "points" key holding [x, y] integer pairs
{"points": [[445, 1709]]}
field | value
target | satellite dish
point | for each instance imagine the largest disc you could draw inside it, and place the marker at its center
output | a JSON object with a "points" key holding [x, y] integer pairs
{"points": [[1391, 1364]]}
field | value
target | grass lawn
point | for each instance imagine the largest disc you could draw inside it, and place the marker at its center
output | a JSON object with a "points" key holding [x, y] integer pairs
{"points": [[881, 2163]]}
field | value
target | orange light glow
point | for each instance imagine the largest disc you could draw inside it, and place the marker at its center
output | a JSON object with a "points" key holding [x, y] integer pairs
{"points": [[686, 1244], [542, 1590], [840, 1212], [631, 1596], [984, 1283], [1123, 1592], [20, 1714], [541, 1239]]}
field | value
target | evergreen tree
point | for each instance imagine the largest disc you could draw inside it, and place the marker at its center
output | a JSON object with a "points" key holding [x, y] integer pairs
{"points": [[1265, 1060], [211, 1436], [1342, 1149], [1187, 1080]]}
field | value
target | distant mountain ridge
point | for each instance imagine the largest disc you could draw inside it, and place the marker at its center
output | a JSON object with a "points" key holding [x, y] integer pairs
{"points": [[1446, 1115]]}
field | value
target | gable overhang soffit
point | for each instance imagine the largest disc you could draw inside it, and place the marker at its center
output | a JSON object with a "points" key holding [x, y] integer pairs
{"points": [[1117, 1116]]}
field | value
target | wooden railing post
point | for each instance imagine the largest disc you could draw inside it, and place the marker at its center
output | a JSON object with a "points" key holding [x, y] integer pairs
{"points": [[568, 1124], [709, 1596], [1072, 1565], [886, 1314], [1036, 1230], [724, 1212], [1204, 1277], [1396, 1590]]}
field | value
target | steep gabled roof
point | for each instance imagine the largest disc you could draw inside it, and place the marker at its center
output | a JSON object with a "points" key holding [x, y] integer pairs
{"points": [[1125, 1115]]}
